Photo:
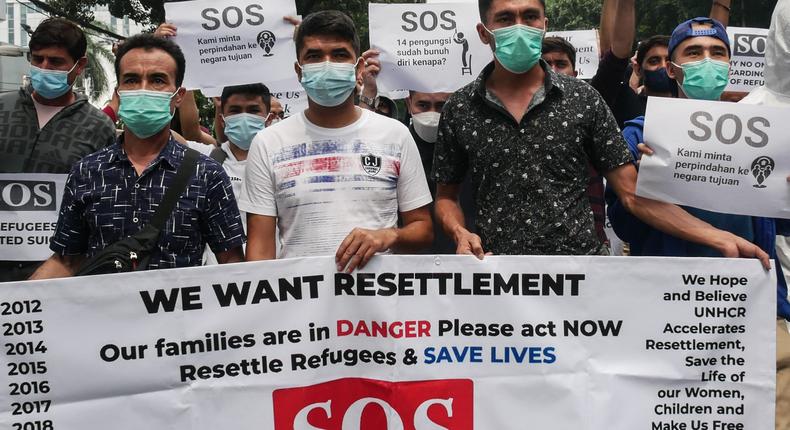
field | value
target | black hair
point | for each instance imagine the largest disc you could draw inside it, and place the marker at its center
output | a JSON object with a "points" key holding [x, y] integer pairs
{"points": [[148, 42], [60, 32], [484, 5], [646, 45], [249, 90], [327, 23], [558, 44]]}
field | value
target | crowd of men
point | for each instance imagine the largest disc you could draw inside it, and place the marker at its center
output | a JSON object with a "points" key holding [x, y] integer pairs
{"points": [[512, 163]]}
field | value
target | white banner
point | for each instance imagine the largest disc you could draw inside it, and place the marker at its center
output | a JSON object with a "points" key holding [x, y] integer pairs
{"points": [[427, 47], [587, 50], [29, 205], [748, 58], [293, 102], [412, 342], [233, 42], [723, 157]]}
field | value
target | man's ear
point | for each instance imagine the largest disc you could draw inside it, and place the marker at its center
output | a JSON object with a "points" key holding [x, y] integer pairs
{"points": [[81, 64], [179, 97], [484, 35], [545, 24], [298, 70], [676, 73]]}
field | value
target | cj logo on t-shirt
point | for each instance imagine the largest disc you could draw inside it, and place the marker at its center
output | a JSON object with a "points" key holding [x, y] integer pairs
{"points": [[371, 164], [368, 404]]}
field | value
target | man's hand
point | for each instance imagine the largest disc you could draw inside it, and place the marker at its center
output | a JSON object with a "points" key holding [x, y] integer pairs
{"points": [[360, 245], [166, 30], [733, 246], [643, 150], [468, 243], [372, 69]]}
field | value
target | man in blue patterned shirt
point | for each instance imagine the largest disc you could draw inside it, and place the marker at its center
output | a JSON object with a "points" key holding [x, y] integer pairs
{"points": [[113, 193]]}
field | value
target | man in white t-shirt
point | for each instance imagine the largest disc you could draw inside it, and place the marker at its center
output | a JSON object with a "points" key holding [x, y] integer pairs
{"points": [[335, 177]]}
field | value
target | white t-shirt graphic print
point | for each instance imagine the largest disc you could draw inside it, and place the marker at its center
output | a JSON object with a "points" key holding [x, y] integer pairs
{"points": [[321, 183]]}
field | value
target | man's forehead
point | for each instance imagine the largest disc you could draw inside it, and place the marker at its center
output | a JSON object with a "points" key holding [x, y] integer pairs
{"points": [[327, 42], [558, 55], [51, 51], [439, 97], [149, 61], [658, 51], [703, 41], [520, 5]]}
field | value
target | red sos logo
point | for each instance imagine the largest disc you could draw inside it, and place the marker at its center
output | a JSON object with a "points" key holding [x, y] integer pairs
{"points": [[368, 404]]}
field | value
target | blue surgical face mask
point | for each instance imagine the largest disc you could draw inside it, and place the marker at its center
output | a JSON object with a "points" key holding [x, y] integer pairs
{"points": [[145, 113], [705, 79], [50, 84], [329, 84], [518, 47], [241, 128]]}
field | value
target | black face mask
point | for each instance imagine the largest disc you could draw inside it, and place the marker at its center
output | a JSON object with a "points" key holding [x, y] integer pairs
{"points": [[658, 81]]}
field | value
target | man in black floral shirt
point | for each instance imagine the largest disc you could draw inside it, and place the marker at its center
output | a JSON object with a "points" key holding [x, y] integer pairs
{"points": [[525, 135]]}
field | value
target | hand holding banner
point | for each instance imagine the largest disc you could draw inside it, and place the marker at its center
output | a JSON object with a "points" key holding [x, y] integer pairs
{"points": [[234, 42], [427, 47], [721, 157]]}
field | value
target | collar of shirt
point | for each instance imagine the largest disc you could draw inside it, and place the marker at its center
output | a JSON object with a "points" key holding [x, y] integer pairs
{"points": [[479, 90], [171, 155]]}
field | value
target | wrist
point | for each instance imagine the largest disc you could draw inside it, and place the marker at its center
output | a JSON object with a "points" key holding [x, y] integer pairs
{"points": [[458, 232]]}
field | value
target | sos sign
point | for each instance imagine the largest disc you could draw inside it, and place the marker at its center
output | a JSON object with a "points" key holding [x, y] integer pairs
{"points": [[27, 195], [232, 16], [367, 404], [428, 20], [749, 45]]}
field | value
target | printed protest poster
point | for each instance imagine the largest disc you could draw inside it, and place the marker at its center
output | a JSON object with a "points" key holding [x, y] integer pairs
{"points": [[411, 342], [233, 42], [427, 47], [748, 58], [717, 156], [587, 50], [29, 205]]}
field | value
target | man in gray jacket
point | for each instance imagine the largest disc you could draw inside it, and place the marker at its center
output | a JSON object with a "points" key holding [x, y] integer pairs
{"points": [[45, 128]]}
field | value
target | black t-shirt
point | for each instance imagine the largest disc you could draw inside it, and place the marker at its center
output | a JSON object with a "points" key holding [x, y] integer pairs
{"points": [[611, 81]]}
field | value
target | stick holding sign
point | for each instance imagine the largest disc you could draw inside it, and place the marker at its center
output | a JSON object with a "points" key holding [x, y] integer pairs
{"points": [[428, 47], [234, 42], [722, 157]]}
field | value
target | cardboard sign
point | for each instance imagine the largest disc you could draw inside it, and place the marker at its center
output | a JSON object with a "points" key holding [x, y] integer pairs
{"points": [[427, 47], [748, 58], [718, 156], [29, 206], [234, 42]]}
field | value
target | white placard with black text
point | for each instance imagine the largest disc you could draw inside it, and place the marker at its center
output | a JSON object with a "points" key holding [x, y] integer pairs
{"points": [[722, 157], [748, 58], [427, 47], [233, 42], [29, 205]]}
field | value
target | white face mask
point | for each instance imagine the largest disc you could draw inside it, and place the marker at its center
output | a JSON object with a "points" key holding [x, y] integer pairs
{"points": [[426, 125]]}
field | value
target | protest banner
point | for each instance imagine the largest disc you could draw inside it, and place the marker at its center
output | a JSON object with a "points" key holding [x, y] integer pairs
{"points": [[748, 58], [233, 42], [29, 205], [411, 342], [722, 157], [427, 47], [587, 50]]}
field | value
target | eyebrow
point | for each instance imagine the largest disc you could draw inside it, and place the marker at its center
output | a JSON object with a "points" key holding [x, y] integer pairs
{"points": [[341, 51]]}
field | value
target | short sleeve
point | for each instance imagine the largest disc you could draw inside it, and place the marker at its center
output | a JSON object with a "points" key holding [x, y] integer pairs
{"points": [[450, 159], [257, 191], [413, 191], [606, 147], [71, 233], [221, 224]]}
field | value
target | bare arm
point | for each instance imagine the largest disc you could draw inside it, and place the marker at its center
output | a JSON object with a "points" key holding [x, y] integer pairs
{"points": [[233, 255], [676, 222], [219, 125], [451, 217], [720, 11], [625, 23], [607, 25], [260, 237], [361, 244], [58, 266], [190, 121]]}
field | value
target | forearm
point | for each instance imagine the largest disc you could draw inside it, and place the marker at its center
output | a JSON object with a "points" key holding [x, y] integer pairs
{"points": [[234, 255], [673, 220], [450, 217], [607, 25], [219, 127], [413, 237], [58, 266], [720, 11], [190, 118], [625, 23]]}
